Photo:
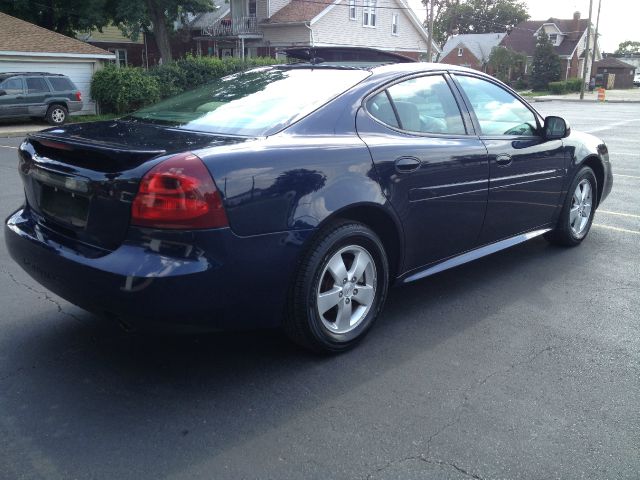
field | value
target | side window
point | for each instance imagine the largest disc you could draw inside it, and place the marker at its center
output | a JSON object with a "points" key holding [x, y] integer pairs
{"points": [[380, 107], [37, 85], [13, 86], [497, 111], [426, 105], [61, 84]]}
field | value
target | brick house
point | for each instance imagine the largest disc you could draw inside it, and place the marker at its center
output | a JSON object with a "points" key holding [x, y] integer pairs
{"points": [[262, 27], [623, 71], [470, 50], [568, 36]]}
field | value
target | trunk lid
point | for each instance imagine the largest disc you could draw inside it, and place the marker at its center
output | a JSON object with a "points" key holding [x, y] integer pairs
{"points": [[80, 180]]}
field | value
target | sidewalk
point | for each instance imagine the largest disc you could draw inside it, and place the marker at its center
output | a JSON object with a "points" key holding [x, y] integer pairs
{"points": [[19, 129], [631, 95]]}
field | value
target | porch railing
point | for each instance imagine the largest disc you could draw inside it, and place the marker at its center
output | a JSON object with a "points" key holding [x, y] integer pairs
{"points": [[226, 27]]}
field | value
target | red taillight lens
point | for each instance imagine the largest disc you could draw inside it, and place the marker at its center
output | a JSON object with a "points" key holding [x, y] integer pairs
{"points": [[78, 96], [178, 193]]}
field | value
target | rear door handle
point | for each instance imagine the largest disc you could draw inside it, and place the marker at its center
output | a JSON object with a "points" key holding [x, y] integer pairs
{"points": [[407, 164], [504, 160]]}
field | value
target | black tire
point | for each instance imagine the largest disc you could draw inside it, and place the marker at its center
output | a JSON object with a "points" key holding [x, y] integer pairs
{"points": [[563, 234], [56, 114], [303, 322]]}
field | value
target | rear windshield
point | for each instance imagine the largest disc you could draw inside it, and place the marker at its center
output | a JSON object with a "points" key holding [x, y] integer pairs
{"points": [[255, 103], [61, 84]]}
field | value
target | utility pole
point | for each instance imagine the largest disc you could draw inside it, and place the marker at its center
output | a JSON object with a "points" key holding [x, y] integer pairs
{"points": [[429, 6], [595, 41], [586, 57]]}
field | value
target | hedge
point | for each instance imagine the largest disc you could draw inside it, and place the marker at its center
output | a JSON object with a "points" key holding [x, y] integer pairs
{"points": [[571, 85], [123, 90]]}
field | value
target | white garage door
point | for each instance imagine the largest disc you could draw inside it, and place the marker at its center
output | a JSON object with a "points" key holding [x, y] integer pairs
{"points": [[80, 73]]}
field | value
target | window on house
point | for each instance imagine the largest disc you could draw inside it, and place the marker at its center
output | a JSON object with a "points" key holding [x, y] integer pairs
{"points": [[121, 56], [460, 51], [394, 24], [352, 9], [369, 13], [554, 38], [252, 8]]}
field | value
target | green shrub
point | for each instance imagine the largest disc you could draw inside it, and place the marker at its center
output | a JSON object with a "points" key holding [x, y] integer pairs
{"points": [[574, 84], [558, 88], [122, 90]]}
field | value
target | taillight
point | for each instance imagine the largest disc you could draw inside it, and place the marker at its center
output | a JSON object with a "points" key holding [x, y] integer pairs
{"points": [[78, 96], [178, 193]]}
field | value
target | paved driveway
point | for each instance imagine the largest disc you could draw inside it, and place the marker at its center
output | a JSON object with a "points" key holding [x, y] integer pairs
{"points": [[523, 365]]}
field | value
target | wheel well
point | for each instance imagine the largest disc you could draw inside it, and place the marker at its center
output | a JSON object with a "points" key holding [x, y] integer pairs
{"points": [[595, 165], [383, 225]]}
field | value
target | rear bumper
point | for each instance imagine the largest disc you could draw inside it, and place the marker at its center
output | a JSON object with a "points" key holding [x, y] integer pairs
{"points": [[205, 280], [74, 106]]}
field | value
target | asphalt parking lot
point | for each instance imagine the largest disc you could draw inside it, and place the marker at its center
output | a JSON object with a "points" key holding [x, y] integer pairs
{"points": [[523, 365]]}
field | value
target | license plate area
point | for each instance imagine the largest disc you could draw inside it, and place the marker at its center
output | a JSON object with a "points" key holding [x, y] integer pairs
{"points": [[64, 206]]}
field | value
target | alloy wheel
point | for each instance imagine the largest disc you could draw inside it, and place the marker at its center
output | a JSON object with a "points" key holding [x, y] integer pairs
{"points": [[58, 115], [581, 205]]}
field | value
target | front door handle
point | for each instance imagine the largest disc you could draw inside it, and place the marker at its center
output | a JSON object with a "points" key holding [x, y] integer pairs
{"points": [[504, 160], [407, 164]]}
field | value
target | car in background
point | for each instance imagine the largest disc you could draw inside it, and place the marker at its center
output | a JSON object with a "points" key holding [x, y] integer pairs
{"points": [[295, 195], [39, 95], [636, 80]]}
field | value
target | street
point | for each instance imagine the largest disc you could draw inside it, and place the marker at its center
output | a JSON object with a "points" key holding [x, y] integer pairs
{"points": [[522, 365]]}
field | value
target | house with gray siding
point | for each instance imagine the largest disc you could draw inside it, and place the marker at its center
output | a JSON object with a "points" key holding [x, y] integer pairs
{"points": [[264, 27]]}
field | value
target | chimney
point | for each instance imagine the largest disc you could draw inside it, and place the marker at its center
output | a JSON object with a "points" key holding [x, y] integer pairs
{"points": [[576, 25]]}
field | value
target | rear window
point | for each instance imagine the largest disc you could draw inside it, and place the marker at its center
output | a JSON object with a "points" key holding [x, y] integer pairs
{"points": [[254, 103], [61, 84], [37, 85]]}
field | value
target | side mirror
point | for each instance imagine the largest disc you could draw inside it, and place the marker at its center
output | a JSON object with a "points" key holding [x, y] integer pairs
{"points": [[2, 92], [556, 128]]}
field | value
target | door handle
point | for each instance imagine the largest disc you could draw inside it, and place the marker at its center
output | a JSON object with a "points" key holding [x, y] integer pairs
{"points": [[407, 164], [504, 160]]}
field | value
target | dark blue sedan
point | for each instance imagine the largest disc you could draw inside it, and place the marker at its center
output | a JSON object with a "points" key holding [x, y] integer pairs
{"points": [[295, 195]]}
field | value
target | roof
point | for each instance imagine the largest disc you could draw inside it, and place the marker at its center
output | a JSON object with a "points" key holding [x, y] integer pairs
{"points": [[20, 37], [612, 62], [480, 44], [298, 11], [208, 18], [523, 40]]}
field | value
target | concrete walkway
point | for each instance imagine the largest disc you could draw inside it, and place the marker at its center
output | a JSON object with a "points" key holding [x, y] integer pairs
{"points": [[611, 96]]}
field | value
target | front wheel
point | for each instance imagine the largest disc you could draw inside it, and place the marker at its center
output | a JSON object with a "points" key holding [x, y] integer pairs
{"points": [[339, 289], [577, 212]]}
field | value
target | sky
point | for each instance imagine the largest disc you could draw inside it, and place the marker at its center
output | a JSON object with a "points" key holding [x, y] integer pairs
{"points": [[619, 19]]}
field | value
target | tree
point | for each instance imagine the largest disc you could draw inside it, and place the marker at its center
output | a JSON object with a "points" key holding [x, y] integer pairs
{"points": [[476, 16], [506, 63], [157, 16], [63, 16], [546, 63], [628, 47]]}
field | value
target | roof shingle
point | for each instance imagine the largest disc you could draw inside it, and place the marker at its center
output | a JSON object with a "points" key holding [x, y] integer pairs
{"points": [[298, 11], [19, 36]]}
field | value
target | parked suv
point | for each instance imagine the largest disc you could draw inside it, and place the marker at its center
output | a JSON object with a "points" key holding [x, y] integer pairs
{"points": [[38, 95]]}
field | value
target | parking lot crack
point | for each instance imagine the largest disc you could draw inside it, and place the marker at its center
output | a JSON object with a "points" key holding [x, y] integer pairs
{"points": [[40, 294], [423, 458]]}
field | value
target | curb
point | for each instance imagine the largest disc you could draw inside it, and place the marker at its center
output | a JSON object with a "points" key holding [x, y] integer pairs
{"points": [[577, 100]]}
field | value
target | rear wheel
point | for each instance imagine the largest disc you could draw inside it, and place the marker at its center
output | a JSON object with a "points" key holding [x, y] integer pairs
{"points": [[56, 114], [339, 290], [577, 212]]}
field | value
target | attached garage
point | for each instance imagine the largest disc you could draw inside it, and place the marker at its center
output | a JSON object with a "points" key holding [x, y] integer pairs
{"points": [[25, 47]]}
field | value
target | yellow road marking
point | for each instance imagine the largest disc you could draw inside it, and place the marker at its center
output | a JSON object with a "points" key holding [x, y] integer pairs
{"points": [[619, 213], [616, 228]]}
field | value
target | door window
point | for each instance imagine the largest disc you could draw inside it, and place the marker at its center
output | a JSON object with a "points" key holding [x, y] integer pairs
{"points": [[498, 112], [423, 104], [37, 85], [13, 86]]}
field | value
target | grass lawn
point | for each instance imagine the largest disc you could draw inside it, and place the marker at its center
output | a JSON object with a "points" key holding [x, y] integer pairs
{"points": [[90, 118]]}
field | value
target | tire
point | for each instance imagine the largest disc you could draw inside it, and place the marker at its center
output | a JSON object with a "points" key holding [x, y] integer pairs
{"points": [[577, 212], [327, 314], [56, 114]]}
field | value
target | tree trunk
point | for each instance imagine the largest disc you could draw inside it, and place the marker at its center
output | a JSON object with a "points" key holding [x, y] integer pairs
{"points": [[160, 31]]}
